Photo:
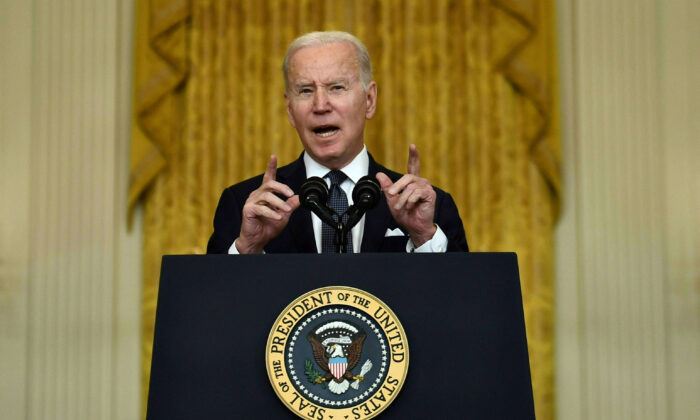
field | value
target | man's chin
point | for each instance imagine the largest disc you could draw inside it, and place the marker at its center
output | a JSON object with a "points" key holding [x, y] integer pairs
{"points": [[332, 154], [331, 160]]}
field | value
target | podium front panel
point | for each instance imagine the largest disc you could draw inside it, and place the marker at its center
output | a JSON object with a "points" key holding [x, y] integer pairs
{"points": [[461, 313]]}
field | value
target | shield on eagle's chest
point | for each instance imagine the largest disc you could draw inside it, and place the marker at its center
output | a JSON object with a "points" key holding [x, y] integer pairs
{"points": [[337, 366]]}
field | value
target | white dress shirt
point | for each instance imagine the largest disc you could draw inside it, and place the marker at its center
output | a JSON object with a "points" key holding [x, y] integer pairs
{"points": [[355, 170]]}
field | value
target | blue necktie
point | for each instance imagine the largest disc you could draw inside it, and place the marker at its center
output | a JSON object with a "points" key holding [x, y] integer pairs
{"points": [[338, 201]]}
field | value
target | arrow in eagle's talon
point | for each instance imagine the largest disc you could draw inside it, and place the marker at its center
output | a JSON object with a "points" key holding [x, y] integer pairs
{"points": [[365, 368]]}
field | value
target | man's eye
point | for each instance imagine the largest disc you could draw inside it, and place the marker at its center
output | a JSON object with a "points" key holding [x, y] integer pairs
{"points": [[305, 91], [337, 88]]}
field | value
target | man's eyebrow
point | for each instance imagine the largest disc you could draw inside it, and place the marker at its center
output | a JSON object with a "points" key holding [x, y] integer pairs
{"points": [[337, 82], [302, 85], [340, 81]]}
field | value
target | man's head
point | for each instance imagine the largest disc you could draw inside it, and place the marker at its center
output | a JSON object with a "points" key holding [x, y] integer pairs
{"points": [[313, 39], [330, 94]]}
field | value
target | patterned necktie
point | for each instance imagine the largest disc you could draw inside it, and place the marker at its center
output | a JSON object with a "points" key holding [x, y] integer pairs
{"points": [[338, 201]]}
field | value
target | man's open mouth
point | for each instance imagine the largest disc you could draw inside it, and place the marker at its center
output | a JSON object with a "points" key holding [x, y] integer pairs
{"points": [[325, 130]]}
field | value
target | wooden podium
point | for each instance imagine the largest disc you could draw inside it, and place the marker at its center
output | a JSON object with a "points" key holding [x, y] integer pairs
{"points": [[461, 312]]}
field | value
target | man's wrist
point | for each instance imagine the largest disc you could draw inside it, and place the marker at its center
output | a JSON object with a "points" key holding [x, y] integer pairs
{"points": [[438, 243], [243, 247], [419, 239]]}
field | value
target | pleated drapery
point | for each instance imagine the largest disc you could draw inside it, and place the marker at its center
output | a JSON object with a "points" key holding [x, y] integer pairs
{"points": [[472, 83]]}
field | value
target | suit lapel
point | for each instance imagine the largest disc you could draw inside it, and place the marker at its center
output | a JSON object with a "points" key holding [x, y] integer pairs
{"points": [[378, 219], [299, 227]]}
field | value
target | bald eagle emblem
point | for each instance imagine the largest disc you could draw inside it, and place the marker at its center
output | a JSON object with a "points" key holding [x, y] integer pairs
{"points": [[337, 349]]}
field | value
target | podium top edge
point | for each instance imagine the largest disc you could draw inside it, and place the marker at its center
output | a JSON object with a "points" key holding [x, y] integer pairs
{"points": [[420, 254], [473, 256]]}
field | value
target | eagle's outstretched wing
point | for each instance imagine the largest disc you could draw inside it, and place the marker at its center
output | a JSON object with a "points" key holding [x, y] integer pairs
{"points": [[355, 351], [319, 352]]}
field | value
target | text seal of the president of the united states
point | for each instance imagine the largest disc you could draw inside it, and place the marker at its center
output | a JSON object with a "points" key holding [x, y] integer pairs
{"points": [[337, 353]]}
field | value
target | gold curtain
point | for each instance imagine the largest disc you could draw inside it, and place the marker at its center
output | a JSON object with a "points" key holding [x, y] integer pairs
{"points": [[471, 83]]}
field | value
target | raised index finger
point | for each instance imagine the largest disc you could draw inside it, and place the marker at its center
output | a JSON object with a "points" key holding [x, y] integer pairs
{"points": [[271, 170], [413, 161]]}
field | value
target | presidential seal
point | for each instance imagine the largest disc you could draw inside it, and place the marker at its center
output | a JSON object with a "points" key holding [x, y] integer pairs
{"points": [[337, 353]]}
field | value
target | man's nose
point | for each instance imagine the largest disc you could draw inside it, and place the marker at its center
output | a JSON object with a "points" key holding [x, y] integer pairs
{"points": [[321, 103]]}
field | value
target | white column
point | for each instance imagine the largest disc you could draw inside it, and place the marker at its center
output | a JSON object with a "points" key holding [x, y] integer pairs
{"points": [[680, 106], [15, 136], [71, 278], [628, 324]]}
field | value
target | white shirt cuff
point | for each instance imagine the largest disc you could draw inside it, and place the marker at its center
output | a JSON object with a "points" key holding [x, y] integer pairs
{"points": [[438, 243], [232, 250]]}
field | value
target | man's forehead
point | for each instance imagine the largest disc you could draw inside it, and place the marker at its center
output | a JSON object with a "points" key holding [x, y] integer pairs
{"points": [[332, 61]]}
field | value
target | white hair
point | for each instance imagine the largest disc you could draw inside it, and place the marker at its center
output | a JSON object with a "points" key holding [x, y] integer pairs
{"points": [[330, 37]]}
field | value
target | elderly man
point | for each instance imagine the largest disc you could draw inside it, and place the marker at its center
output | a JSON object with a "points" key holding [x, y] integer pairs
{"points": [[330, 95]]}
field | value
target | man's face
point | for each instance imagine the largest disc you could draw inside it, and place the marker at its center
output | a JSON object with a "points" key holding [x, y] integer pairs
{"points": [[327, 103]]}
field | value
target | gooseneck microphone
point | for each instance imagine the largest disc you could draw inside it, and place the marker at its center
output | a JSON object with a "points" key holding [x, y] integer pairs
{"points": [[365, 196], [366, 193], [313, 195]]}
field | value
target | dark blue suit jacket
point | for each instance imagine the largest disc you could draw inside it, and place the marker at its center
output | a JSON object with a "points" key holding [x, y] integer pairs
{"points": [[298, 236]]}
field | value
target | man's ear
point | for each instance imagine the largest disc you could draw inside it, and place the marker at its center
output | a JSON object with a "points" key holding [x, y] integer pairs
{"points": [[289, 110], [371, 98]]}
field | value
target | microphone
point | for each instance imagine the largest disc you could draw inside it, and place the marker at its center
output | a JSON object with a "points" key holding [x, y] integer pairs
{"points": [[366, 193], [313, 195], [365, 196]]}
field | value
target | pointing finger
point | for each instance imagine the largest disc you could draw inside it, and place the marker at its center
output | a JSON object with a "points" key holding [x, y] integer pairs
{"points": [[271, 171], [413, 161]]}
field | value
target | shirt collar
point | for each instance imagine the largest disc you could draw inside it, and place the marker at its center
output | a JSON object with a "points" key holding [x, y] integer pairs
{"points": [[354, 170]]}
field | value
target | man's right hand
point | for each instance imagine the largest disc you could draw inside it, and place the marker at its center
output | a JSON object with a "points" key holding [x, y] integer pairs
{"points": [[264, 213]]}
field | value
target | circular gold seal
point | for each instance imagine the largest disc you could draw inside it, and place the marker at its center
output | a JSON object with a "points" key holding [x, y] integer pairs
{"points": [[337, 352]]}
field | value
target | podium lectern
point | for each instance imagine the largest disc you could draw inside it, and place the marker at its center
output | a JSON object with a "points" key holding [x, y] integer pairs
{"points": [[461, 312]]}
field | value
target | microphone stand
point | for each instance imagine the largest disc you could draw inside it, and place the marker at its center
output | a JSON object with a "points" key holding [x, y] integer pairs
{"points": [[314, 193], [341, 236]]}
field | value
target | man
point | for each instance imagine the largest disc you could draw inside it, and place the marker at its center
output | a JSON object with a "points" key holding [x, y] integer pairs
{"points": [[330, 95]]}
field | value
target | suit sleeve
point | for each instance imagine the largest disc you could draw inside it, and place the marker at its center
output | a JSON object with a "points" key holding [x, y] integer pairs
{"points": [[227, 223], [447, 217]]}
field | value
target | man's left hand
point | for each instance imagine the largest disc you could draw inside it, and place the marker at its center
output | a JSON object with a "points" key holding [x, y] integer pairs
{"points": [[411, 200]]}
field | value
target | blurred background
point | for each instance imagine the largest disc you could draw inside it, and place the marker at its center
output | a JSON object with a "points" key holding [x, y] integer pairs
{"points": [[564, 129]]}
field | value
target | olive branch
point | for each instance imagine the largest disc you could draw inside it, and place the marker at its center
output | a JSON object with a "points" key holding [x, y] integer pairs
{"points": [[312, 374]]}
